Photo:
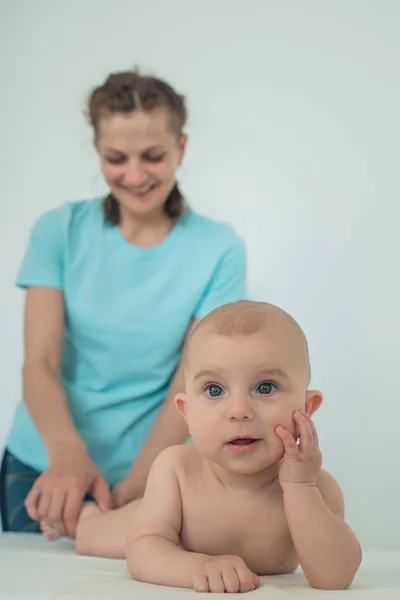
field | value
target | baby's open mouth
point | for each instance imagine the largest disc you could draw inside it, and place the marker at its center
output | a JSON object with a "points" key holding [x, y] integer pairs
{"points": [[243, 441]]}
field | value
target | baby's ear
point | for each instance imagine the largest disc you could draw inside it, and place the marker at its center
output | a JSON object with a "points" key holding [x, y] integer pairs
{"points": [[180, 403], [313, 401]]}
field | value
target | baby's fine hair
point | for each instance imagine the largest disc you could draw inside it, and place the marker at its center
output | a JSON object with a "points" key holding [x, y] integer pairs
{"points": [[246, 318]]}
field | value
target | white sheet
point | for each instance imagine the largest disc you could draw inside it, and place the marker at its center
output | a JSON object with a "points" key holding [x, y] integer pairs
{"points": [[33, 569]]}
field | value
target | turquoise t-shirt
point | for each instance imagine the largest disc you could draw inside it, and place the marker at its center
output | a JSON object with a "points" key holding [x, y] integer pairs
{"points": [[127, 314]]}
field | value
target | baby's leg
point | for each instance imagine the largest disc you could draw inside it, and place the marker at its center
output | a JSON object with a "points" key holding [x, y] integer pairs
{"points": [[49, 531], [104, 534], [98, 533]]}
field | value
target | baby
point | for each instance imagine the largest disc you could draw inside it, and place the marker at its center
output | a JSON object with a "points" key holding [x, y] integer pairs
{"points": [[249, 498]]}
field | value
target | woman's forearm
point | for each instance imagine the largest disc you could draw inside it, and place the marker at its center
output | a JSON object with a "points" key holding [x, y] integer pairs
{"points": [[168, 430], [47, 404]]}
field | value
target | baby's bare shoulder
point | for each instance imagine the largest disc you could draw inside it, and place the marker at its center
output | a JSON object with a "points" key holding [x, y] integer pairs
{"points": [[179, 458], [331, 492]]}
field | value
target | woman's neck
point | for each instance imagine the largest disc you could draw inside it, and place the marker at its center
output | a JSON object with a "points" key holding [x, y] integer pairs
{"points": [[146, 231]]}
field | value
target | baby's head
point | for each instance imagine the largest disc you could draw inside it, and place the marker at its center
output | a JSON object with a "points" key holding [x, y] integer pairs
{"points": [[247, 370]]}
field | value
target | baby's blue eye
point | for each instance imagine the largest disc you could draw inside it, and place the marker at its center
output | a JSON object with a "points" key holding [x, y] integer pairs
{"points": [[214, 390], [266, 388]]}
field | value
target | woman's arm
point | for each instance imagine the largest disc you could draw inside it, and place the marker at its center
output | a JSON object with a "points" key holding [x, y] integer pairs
{"points": [[42, 387], [58, 493], [169, 429]]}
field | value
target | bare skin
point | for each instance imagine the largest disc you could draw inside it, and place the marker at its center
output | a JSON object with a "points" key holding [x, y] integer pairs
{"points": [[219, 520], [265, 544], [206, 522], [246, 500]]}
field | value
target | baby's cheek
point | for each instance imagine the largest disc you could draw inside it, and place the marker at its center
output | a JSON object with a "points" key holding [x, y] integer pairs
{"points": [[200, 423], [286, 421]]}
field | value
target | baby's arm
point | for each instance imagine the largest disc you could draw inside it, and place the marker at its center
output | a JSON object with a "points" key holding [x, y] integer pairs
{"points": [[328, 550], [153, 552]]}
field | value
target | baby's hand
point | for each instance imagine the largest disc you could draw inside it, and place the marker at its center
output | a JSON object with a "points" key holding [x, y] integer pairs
{"points": [[301, 463], [220, 574]]}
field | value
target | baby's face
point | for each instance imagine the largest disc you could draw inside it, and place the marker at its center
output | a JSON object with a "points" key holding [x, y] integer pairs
{"points": [[238, 390]]}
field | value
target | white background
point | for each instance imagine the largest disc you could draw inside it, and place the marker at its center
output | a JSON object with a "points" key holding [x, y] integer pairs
{"points": [[295, 132]]}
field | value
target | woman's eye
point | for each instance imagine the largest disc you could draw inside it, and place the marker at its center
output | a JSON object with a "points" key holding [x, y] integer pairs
{"points": [[115, 161], [214, 391], [154, 159], [266, 388]]}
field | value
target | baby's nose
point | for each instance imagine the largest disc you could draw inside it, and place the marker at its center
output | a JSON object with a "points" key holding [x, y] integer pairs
{"points": [[239, 407]]}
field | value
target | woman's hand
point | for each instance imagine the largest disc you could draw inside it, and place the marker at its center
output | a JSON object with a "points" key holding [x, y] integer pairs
{"points": [[58, 494]]}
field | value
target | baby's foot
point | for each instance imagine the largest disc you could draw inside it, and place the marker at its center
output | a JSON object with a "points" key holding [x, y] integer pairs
{"points": [[49, 531]]}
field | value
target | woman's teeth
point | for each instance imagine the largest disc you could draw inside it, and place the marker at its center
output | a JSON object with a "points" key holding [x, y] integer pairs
{"points": [[141, 192]]}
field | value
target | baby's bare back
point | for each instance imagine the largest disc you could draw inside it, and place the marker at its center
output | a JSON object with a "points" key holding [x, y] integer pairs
{"points": [[243, 522]]}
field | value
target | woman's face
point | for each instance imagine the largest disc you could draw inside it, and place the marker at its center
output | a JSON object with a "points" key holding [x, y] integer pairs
{"points": [[139, 154]]}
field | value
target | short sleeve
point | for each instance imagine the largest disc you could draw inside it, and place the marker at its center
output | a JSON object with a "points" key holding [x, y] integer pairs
{"points": [[228, 282], [42, 265]]}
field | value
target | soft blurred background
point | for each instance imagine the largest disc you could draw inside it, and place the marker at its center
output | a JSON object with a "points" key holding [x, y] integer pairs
{"points": [[294, 138]]}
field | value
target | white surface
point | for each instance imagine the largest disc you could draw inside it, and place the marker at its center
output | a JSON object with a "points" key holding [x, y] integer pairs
{"points": [[31, 568], [295, 138]]}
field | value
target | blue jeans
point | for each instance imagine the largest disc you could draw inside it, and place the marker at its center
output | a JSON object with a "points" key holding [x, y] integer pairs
{"points": [[16, 481]]}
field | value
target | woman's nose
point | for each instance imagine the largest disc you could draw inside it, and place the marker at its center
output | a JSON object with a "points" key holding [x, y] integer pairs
{"points": [[239, 409], [135, 175]]}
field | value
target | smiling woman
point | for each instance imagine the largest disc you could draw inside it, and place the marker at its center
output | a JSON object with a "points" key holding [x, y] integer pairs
{"points": [[105, 318], [138, 124]]}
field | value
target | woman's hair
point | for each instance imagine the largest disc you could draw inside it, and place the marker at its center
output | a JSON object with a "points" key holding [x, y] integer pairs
{"points": [[126, 92]]}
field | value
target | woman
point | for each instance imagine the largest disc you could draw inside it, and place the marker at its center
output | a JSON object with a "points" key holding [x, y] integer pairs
{"points": [[113, 285]]}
